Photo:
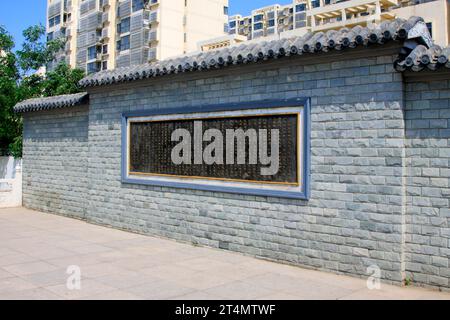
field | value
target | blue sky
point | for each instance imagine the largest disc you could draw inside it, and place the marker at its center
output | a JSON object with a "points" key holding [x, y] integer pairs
{"points": [[16, 15]]}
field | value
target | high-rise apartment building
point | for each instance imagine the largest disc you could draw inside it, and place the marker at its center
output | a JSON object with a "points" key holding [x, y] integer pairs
{"points": [[302, 16], [105, 34]]}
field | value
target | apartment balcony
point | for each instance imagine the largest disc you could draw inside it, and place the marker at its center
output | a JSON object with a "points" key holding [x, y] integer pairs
{"points": [[351, 22], [349, 13], [337, 5]]}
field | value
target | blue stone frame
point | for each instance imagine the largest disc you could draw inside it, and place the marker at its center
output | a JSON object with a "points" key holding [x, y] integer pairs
{"points": [[305, 103]]}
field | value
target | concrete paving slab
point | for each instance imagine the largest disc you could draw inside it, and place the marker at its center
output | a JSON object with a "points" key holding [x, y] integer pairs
{"points": [[37, 249]]}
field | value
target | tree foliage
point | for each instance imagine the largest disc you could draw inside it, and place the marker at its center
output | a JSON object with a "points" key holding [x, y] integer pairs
{"points": [[10, 126], [35, 51], [63, 80], [19, 80]]}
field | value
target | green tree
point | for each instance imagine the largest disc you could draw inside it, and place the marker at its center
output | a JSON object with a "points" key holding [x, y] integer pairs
{"points": [[62, 80], [10, 123], [19, 80], [36, 51]]}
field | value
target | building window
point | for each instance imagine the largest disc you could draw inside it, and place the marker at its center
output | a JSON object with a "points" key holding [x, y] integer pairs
{"points": [[105, 49], [123, 44], [105, 65], [258, 18], [56, 20], [258, 26], [271, 23], [93, 67], [315, 3], [92, 52], [124, 26], [137, 5], [300, 7], [430, 28], [225, 10], [225, 28], [232, 24], [50, 36]]}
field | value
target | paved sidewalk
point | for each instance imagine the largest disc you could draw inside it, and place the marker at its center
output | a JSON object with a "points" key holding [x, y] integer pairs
{"points": [[36, 250]]}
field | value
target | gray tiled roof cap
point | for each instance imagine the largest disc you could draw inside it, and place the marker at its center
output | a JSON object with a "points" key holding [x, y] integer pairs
{"points": [[253, 51], [48, 103], [423, 58]]}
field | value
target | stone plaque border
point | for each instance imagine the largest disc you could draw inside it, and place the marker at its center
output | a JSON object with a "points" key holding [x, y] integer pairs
{"points": [[300, 106]]}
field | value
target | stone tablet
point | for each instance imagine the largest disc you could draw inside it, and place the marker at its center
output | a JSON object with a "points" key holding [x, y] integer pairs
{"points": [[257, 148]]}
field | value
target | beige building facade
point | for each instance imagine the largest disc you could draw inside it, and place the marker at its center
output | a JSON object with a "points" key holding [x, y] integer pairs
{"points": [[106, 34], [302, 16]]}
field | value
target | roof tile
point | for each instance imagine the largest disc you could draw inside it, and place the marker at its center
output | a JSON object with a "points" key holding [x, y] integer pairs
{"points": [[48, 103], [250, 52]]}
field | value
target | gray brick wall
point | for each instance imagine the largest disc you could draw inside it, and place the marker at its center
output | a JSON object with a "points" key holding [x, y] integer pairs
{"points": [[379, 169], [55, 148], [427, 115], [354, 217]]}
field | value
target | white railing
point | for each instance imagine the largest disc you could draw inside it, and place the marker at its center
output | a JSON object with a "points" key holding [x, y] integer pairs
{"points": [[10, 182]]}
